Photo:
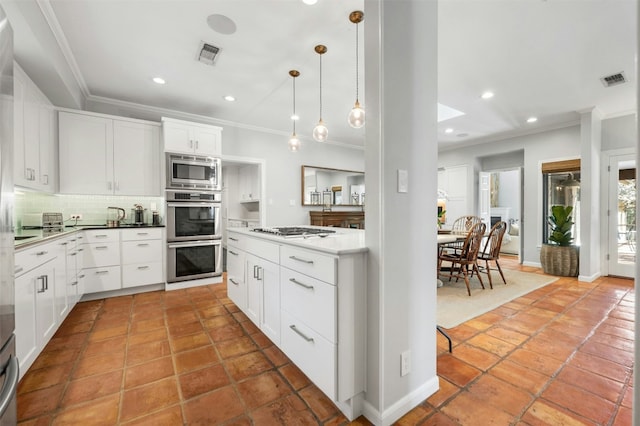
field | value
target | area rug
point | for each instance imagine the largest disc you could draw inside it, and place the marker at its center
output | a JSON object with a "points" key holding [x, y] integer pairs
{"points": [[455, 306]]}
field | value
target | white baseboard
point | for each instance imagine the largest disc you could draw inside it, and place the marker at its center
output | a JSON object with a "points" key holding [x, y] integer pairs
{"points": [[401, 407], [590, 278]]}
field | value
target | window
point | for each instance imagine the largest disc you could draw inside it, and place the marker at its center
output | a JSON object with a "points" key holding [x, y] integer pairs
{"points": [[561, 186]]}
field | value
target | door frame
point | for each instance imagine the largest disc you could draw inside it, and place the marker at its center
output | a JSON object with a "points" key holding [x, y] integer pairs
{"points": [[606, 207]]}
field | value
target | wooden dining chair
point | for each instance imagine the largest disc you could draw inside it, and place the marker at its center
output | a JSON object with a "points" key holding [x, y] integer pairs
{"points": [[491, 251], [465, 261], [461, 226]]}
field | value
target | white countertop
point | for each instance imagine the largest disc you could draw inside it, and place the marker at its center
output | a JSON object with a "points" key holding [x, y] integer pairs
{"points": [[342, 241]]}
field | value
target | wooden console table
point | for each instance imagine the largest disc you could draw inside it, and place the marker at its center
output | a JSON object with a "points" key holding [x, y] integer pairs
{"points": [[343, 219]]}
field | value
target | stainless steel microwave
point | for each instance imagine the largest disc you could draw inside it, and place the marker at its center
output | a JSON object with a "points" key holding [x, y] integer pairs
{"points": [[193, 172]]}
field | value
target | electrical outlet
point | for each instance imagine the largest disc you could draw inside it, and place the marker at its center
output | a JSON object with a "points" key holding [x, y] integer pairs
{"points": [[405, 363], [76, 216]]}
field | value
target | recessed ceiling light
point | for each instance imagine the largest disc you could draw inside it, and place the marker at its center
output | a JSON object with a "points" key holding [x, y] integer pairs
{"points": [[449, 130], [532, 119], [221, 24], [295, 117], [310, 2], [487, 95], [229, 98], [158, 80]]}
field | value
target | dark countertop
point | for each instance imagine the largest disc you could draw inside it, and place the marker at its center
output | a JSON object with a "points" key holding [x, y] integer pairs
{"points": [[28, 237]]}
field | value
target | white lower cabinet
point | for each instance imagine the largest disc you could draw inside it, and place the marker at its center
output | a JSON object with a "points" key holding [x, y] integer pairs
{"points": [[236, 272], [310, 303], [141, 257], [263, 295], [101, 260], [35, 300]]}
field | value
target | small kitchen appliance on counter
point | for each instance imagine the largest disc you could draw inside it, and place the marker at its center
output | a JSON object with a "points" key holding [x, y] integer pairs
{"points": [[49, 222], [138, 213], [114, 216]]}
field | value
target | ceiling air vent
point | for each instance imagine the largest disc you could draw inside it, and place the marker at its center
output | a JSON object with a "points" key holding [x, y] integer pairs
{"points": [[207, 53], [613, 79]]}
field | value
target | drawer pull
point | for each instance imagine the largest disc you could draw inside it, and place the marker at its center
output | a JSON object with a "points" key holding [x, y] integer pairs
{"points": [[233, 239], [18, 269], [310, 262], [293, 280], [143, 244], [142, 233], [143, 267], [81, 276], [233, 252], [234, 282], [74, 283], [101, 272], [80, 249], [72, 254], [41, 253], [63, 244], [100, 236], [101, 247], [300, 333]]}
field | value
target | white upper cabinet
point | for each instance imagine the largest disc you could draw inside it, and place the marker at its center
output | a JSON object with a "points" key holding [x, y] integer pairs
{"points": [[104, 155], [191, 138], [34, 135]]}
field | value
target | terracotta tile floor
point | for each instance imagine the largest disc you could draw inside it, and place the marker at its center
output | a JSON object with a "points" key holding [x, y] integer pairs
{"points": [[559, 355]]}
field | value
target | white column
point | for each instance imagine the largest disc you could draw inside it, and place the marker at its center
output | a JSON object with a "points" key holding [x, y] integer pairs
{"points": [[590, 155], [401, 136]]}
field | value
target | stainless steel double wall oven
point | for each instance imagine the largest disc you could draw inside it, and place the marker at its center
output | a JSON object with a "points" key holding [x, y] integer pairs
{"points": [[193, 219]]}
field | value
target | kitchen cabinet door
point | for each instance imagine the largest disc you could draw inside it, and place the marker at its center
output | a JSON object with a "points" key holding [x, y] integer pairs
{"points": [[60, 281], [86, 154], [26, 340], [263, 296], [207, 141], [136, 158], [191, 138]]}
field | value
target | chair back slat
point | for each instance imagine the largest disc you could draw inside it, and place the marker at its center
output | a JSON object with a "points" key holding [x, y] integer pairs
{"points": [[494, 240], [463, 224], [472, 243]]}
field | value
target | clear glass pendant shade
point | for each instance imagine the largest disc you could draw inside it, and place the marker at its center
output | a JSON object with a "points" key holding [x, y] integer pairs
{"points": [[356, 116], [294, 143], [320, 132]]}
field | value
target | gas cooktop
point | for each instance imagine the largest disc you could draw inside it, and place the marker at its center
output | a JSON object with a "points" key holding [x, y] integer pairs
{"points": [[294, 231]]}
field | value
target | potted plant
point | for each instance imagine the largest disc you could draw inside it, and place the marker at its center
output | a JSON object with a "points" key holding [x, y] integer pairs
{"points": [[559, 256], [440, 218]]}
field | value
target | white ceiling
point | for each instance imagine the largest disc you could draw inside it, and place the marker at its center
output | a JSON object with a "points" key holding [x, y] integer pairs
{"points": [[540, 58]]}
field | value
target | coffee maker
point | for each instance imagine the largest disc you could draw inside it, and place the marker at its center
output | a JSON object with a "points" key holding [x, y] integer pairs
{"points": [[138, 213]]}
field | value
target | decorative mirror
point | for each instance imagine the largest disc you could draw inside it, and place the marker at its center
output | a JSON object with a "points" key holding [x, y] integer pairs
{"points": [[321, 185]]}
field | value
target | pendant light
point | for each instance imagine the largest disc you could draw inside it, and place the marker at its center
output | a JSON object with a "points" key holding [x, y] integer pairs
{"points": [[294, 142], [356, 116], [320, 132]]}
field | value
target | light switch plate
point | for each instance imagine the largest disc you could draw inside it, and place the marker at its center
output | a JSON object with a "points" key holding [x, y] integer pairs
{"points": [[403, 181]]}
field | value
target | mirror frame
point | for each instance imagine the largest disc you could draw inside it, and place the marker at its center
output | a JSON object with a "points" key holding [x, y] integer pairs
{"points": [[328, 169]]}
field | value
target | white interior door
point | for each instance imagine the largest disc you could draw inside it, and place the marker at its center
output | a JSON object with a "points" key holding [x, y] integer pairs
{"points": [[622, 213], [484, 198]]}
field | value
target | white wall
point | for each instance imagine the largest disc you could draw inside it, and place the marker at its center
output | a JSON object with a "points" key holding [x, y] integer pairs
{"points": [[509, 192], [619, 132]]}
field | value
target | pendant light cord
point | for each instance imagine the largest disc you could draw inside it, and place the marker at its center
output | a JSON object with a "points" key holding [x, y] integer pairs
{"points": [[357, 61], [294, 105], [320, 87]]}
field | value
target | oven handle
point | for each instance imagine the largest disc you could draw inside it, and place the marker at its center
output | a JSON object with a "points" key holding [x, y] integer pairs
{"points": [[195, 244], [194, 204]]}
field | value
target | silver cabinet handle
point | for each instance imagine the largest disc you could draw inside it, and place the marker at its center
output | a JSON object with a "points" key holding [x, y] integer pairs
{"points": [[45, 179], [41, 279], [142, 233], [74, 283], [72, 254], [46, 282], [101, 247], [234, 282], [8, 391], [81, 276], [308, 287], [80, 249], [310, 262], [100, 236], [196, 144], [190, 143], [233, 252], [109, 186], [143, 244], [143, 267], [64, 244], [260, 277], [41, 253], [255, 274], [300, 333], [101, 272], [233, 239], [18, 270]]}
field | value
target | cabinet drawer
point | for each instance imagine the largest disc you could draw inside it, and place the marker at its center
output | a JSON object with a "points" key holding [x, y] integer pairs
{"points": [[141, 274], [263, 249], [236, 285], [100, 236], [141, 234], [310, 300], [236, 240], [310, 263], [142, 251], [312, 353], [102, 254], [102, 279], [26, 260]]}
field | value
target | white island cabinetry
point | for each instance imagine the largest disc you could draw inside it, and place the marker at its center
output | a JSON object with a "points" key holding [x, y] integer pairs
{"points": [[318, 303]]}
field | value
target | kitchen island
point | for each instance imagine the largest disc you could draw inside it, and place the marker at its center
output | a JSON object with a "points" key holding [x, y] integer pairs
{"points": [[307, 294]]}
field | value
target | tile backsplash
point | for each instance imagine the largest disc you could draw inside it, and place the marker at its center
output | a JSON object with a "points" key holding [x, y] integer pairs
{"points": [[93, 208]]}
